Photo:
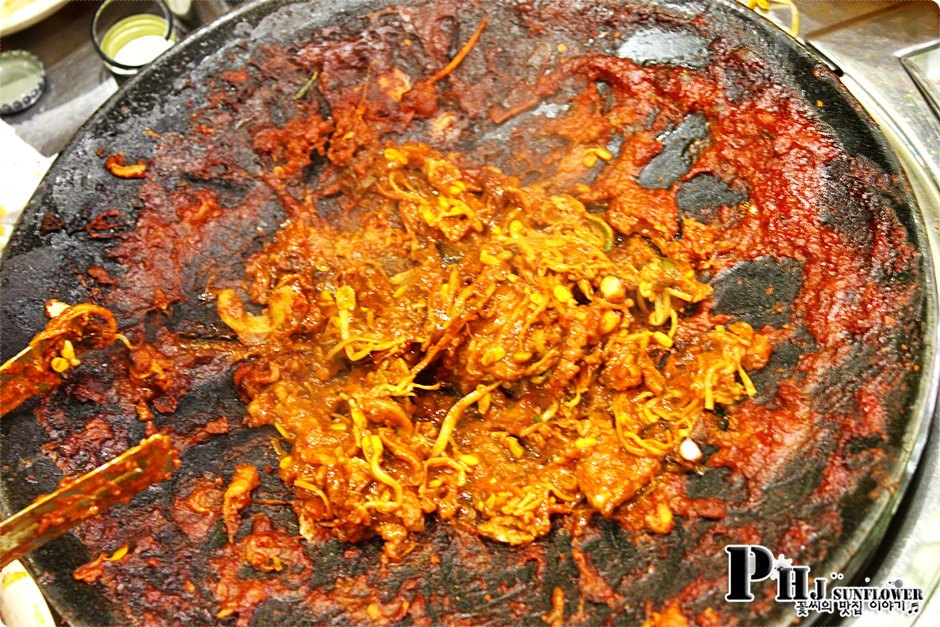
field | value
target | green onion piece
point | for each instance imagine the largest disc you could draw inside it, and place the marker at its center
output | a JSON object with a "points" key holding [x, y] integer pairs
{"points": [[605, 229]]}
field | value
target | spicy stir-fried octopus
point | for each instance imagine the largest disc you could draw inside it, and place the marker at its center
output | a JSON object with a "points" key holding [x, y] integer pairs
{"points": [[465, 344]]}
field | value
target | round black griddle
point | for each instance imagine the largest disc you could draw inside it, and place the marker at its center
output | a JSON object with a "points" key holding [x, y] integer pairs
{"points": [[71, 225]]}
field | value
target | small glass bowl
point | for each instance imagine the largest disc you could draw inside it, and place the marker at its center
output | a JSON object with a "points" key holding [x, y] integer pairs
{"points": [[129, 34]]}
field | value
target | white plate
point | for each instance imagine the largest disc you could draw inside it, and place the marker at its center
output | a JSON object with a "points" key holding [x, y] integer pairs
{"points": [[15, 15]]}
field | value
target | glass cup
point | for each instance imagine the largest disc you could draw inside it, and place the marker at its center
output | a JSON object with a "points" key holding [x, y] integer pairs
{"points": [[129, 34]]}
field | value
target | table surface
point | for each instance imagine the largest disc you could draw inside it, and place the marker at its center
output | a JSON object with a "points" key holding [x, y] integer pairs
{"points": [[77, 82]]}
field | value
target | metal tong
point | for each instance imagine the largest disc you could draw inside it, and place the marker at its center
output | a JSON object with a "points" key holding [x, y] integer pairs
{"points": [[39, 367], [75, 500]]}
